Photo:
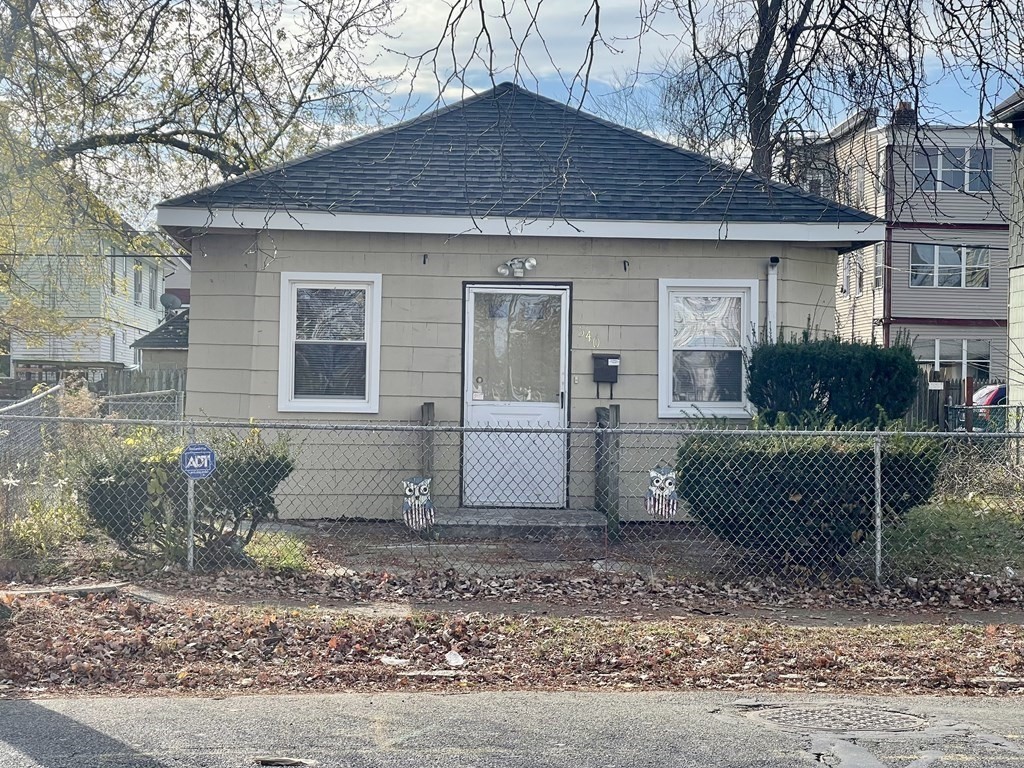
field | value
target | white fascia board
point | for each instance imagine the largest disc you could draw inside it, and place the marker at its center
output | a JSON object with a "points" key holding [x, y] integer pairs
{"points": [[319, 221]]}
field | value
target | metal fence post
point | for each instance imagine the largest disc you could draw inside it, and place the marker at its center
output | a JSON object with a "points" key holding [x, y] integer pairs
{"points": [[878, 508], [191, 542], [606, 466]]}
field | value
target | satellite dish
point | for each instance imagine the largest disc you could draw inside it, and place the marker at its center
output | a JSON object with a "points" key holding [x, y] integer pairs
{"points": [[170, 302]]}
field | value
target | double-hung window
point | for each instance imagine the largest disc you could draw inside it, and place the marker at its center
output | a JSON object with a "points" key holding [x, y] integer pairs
{"points": [[137, 282], [949, 266], [705, 329], [967, 169], [154, 284], [330, 342], [955, 358]]}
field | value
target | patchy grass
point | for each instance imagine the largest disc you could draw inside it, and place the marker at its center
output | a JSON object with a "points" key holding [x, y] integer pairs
{"points": [[278, 552], [950, 539], [111, 643]]}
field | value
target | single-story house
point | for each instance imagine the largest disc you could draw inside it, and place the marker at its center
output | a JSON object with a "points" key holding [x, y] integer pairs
{"points": [[166, 346], [512, 260]]}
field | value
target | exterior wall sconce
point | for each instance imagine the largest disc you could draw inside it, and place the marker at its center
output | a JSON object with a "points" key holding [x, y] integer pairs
{"points": [[517, 267]]}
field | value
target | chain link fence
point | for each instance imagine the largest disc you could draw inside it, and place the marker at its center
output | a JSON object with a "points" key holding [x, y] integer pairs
{"points": [[22, 455], [163, 405], [698, 504]]}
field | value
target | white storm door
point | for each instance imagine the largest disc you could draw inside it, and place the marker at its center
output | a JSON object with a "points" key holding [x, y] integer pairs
{"points": [[516, 372]]}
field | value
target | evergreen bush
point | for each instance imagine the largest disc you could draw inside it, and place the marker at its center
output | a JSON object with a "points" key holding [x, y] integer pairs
{"points": [[802, 499], [819, 380]]}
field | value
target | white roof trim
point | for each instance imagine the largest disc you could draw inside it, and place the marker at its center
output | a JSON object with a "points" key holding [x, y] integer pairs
{"points": [[319, 221]]}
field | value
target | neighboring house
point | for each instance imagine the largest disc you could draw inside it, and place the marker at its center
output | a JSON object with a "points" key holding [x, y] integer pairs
{"points": [[111, 307], [178, 279], [1011, 112], [939, 278], [165, 347], [482, 257]]}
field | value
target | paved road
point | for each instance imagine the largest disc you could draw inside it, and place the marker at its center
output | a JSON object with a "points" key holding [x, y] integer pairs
{"points": [[513, 730]]}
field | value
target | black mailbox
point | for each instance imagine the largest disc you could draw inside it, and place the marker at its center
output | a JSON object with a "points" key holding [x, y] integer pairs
{"points": [[606, 367]]}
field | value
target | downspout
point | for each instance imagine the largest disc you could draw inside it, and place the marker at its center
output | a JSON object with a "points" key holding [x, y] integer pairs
{"points": [[772, 329]]}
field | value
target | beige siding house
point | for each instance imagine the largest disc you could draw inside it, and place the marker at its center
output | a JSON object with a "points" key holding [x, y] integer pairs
{"points": [[501, 259], [1010, 113], [940, 277]]}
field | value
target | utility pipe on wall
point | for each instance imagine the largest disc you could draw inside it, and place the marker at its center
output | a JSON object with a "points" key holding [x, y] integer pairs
{"points": [[773, 299]]}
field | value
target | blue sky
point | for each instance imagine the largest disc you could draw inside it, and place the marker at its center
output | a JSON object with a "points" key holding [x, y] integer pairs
{"points": [[549, 61]]}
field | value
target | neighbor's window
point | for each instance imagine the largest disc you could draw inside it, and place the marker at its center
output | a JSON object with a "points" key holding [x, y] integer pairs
{"points": [[949, 266], [154, 281], [955, 358], [137, 281], [880, 171], [330, 342], [955, 168], [879, 256], [705, 330]]}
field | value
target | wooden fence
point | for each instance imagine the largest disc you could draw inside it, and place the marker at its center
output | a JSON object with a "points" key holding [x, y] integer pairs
{"points": [[129, 381]]}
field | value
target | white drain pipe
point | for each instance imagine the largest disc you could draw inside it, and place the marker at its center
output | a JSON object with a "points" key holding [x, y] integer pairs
{"points": [[773, 299]]}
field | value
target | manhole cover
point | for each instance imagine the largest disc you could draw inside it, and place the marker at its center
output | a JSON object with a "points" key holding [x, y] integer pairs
{"points": [[840, 718]]}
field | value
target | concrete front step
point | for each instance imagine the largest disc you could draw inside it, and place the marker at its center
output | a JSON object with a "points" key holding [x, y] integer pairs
{"points": [[487, 523]]}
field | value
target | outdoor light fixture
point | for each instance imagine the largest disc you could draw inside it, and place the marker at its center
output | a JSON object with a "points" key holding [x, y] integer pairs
{"points": [[517, 267]]}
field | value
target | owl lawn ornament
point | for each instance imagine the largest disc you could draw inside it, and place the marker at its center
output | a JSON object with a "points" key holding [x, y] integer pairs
{"points": [[661, 499], [417, 507]]}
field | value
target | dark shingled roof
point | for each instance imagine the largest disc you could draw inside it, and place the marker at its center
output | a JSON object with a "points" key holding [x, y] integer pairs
{"points": [[511, 153], [172, 334], [1011, 109]]}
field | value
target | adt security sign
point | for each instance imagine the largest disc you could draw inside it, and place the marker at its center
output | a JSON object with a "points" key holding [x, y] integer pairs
{"points": [[198, 461]]}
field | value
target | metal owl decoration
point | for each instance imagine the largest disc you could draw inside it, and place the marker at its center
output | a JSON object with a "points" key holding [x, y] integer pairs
{"points": [[417, 508], [661, 499]]}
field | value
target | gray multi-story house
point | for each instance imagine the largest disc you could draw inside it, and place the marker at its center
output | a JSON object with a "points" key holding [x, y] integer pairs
{"points": [[939, 279]]}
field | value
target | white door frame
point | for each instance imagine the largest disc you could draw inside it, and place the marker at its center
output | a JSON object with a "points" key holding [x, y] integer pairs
{"points": [[545, 489]]}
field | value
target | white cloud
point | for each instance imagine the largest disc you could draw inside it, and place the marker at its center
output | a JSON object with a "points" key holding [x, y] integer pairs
{"points": [[542, 44]]}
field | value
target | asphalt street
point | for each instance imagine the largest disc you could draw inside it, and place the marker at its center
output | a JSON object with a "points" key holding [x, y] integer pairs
{"points": [[511, 730]]}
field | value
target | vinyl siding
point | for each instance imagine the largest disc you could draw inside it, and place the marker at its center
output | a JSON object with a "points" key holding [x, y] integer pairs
{"points": [[861, 317], [997, 338], [856, 313], [82, 292], [233, 360], [1015, 328], [953, 303], [913, 205]]}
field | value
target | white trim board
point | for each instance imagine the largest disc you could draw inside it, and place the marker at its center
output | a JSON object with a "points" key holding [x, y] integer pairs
{"points": [[369, 282], [319, 221]]}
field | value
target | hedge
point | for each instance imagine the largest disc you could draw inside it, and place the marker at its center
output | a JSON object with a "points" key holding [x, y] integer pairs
{"points": [[800, 499], [852, 383], [138, 495]]}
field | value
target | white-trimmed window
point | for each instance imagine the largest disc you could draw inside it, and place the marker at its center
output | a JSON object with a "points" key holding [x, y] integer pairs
{"points": [[955, 358], [330, 342], [853, 275], [705, 329], [955, 168], [949, 266], [880, 171], [879, 256], [154, 283], [137, 282]]}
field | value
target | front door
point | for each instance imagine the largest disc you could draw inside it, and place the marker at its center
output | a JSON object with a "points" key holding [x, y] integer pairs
{"points": [[515, 375]]}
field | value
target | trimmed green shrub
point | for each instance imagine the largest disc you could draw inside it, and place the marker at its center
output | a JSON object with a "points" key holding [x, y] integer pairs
{"points": [[807, 500], [821, 380], [135, 491]]}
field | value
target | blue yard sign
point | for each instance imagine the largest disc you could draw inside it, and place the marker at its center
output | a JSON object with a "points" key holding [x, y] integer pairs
{"points": [[198, 461]]}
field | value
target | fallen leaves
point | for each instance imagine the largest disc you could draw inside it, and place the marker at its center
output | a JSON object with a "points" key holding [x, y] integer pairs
{"points": [[109, 643]]}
